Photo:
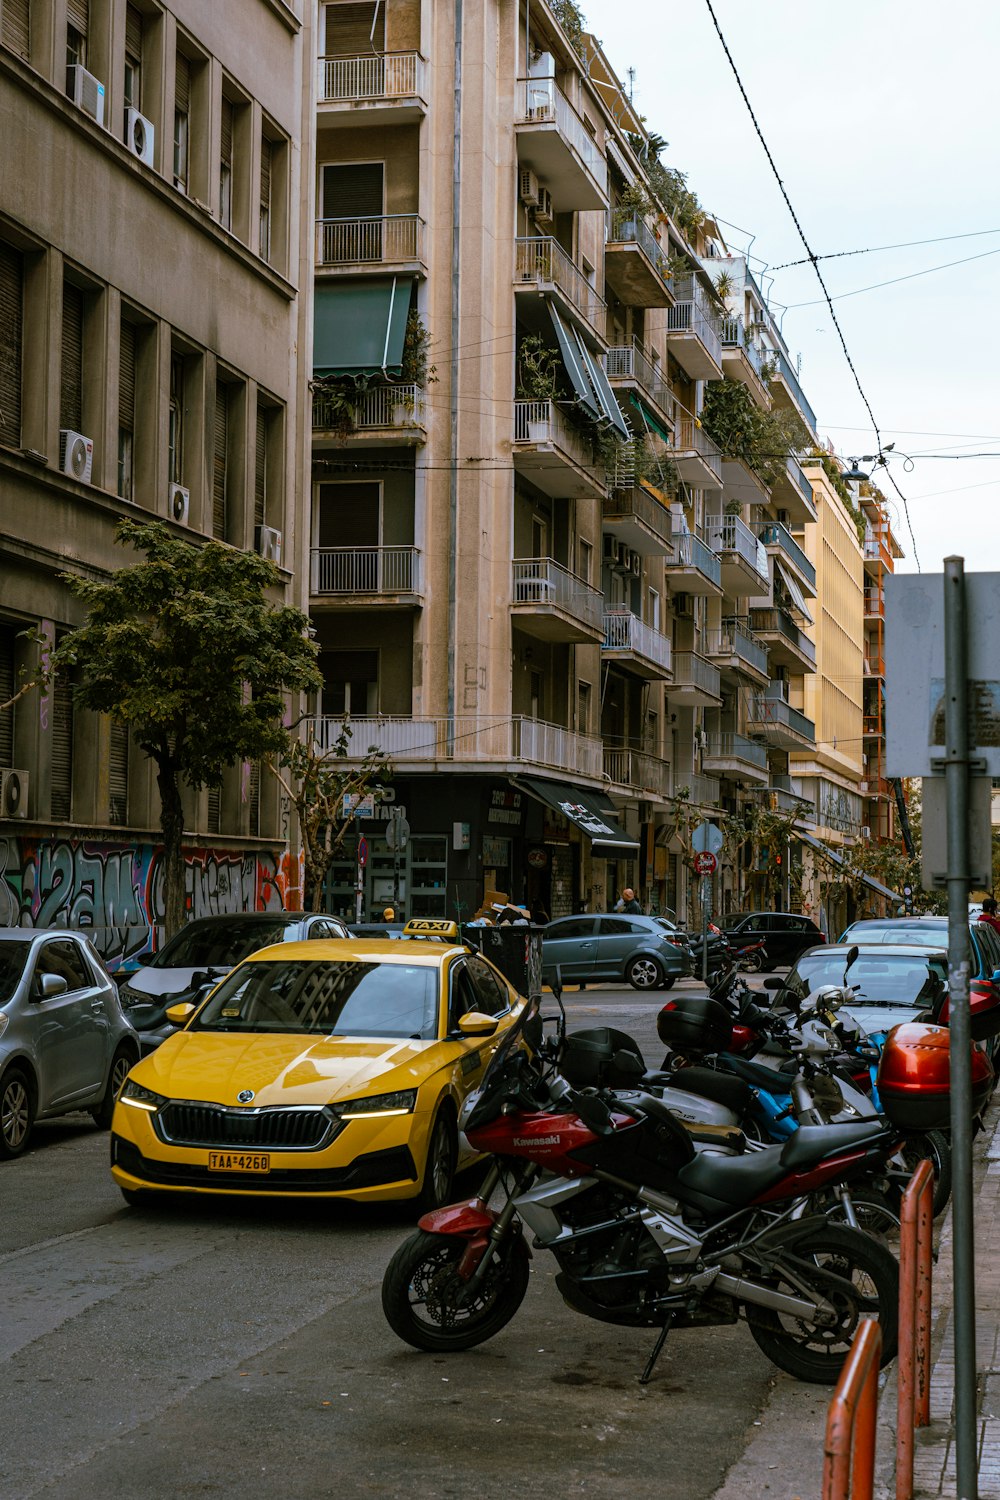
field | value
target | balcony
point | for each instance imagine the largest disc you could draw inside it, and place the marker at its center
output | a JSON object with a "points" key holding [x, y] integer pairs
{"points": [[780, 543], [553, 454], [696, 569], [787, 645], [874, 666], [783, 726], [874, 604], [875, 787], [384, 88], [743, 558], [627, 365], [636, 772], [635, 266], [639, 518], [736, 650], [735, 757], [743, 359], [783, 797], [743, 484], [552, 604], [793, 492], [698, 459], [629, 643], [542, 265], [872, 726], [383, 416], [703, 791], [392, 240], [389, 575], [472, 743], [786, 381], [693, 332], [696, 682], [555, 143]]}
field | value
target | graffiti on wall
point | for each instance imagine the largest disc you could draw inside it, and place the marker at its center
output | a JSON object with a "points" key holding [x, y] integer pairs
{"points": [[114, 892]]}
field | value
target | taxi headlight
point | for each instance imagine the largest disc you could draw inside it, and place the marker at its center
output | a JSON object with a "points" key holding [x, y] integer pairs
{"points": [[401, 1103], [141, 1098]]}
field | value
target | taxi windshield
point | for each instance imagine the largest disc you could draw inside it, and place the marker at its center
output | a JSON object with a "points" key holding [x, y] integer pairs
{"points": [[325, 998]]}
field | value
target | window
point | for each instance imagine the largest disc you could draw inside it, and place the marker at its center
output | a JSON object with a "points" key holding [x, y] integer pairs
{"points": [[463, 994], [62, 749], [65, 960], [264, 244], [133, 59], [586, 561], [617, 927], [353, 199], [260, 468], [15, 27], [126, 409], [175, 425], [491, 996], [350, 682], [583, 708], [77, 26], [220, 463], [226, 165], [182, 119], [11, 284], [573, 927], [654, 609], [118, 773], [8, 678], [354, 30], [71, 370]]}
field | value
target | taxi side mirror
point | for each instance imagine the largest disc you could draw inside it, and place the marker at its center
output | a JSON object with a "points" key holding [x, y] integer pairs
{"points": [[474, 1023], [177, 1015]]}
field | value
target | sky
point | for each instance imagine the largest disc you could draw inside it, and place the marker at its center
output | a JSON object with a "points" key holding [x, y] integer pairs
{"points": [[881, 119]]}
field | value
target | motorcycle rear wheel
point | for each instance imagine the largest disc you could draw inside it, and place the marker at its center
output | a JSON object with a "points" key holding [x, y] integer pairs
{"points": [[809, 1351], [421, 1292], [935, 1146]]}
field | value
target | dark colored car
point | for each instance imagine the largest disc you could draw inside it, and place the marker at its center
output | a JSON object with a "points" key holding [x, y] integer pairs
{"points": [[892, 983], [785, 934], [642, 950], [204, 951]]}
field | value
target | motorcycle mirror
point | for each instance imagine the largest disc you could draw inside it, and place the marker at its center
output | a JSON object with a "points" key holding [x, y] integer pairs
{"points": [[852, 955], [773, 982]]}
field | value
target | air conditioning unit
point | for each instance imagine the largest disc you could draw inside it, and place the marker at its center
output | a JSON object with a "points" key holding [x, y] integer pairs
{"points": [[86, 92], [623, 557], [637, 563], [543, 213], [610, 548], [14, 794], [179, 504], [76, 455], [528, 188], [684, 606], [267, 540], [865, 831], [140, 135]]}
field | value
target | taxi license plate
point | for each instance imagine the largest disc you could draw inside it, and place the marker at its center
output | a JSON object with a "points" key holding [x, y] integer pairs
{"points": [[238, 1161]]}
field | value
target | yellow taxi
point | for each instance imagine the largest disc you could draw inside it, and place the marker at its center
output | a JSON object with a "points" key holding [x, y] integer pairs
{"points": [[327, 1068]]}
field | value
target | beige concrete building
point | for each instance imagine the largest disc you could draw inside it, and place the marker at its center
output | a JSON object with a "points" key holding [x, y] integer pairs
{"points": [[882, 548], [155, 159]]}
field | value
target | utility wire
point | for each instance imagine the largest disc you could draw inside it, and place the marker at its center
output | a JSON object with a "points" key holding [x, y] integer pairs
{"points": [[893, 281], [813, 261], [940, 239]]}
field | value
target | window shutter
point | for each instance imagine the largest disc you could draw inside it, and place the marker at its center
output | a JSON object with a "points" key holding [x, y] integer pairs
{"points": [[11, 280], [7, 634], [260, 472], [353, 192], [126, 377], [253, 798], [71, 380], [15, 31], [214, 809], [133, 32], [226, 152], [118, 773], [78, 15], [349, 30], [182, 85], [62, 749], [265, 173], [219, 465]]}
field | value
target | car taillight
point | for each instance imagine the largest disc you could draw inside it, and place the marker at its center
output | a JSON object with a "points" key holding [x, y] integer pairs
{"points": [[982, 989]]}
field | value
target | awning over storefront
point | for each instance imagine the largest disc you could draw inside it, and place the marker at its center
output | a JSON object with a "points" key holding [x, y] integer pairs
{"points": [[591, 812], [360, 326], [836, 858]]}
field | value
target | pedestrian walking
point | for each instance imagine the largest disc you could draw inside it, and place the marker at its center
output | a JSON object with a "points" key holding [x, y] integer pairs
{"points": [[627, 902], [989, 913]]}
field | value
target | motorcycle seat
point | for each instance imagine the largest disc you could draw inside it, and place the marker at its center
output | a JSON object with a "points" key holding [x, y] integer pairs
{"points": [[810, 1143], [738, 1180], [758, 1076], [722, 1088]]}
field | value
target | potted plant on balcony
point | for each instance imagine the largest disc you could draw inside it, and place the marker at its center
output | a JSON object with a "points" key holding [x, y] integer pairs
{"points": [[416, 369], [537, 370], [633, 204]]}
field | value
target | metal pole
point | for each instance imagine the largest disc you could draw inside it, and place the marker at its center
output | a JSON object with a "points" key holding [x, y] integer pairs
{"points": [[705, 888], [957, 795]]}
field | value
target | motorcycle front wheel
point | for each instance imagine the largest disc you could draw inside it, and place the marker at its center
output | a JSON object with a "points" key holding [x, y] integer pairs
{"points": [[851, 1270], [424, 1299]]}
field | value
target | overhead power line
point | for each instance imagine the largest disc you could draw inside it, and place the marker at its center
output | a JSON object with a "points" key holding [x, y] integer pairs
{"points": [[939, 239]]}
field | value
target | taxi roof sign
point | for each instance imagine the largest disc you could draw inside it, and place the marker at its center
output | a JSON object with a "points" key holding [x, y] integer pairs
{"points": [[431, 927]]}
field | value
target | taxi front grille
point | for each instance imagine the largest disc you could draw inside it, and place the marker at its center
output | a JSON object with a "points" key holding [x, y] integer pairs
{"points": [[182, 1124]]}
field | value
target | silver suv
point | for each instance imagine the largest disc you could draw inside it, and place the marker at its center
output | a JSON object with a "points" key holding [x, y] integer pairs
{"points": [[64, 1041]]}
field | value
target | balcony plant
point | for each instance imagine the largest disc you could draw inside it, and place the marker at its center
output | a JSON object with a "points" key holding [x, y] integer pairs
{"points": [[633, 204]]}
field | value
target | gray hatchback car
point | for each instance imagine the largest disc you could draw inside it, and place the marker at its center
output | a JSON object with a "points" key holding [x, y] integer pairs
{"points": [[643, 950], [64, 1041]]}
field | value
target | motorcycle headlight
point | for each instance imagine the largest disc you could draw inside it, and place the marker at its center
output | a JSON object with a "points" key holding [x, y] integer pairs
{"points": [[403, 1102], [141, 1098]]}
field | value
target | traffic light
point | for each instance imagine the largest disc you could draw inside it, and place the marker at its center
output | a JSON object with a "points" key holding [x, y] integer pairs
{"points": [[777, 859]]}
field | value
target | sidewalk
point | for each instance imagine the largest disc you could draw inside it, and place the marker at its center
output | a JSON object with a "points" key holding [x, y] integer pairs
{"points": [[783, 1458]]}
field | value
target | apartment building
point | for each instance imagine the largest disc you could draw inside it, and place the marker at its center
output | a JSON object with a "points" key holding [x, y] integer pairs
{"points": [[881, 549], [150, 323], [571, 619]]}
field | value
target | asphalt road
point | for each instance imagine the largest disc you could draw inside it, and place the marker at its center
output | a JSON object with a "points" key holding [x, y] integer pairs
{"points": [[206, 1350]]}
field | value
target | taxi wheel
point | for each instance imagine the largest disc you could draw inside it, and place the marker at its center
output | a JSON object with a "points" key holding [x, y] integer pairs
{"points": [[17, 1113], [442, 1156], [121, 1064]]}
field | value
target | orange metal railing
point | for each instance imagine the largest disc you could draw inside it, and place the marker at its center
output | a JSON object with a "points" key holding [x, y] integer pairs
{"points": [[913, 1400], [849, 1451]]}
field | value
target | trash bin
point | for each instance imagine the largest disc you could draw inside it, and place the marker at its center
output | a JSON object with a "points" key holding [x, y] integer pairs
{"points": [[515, 951]]}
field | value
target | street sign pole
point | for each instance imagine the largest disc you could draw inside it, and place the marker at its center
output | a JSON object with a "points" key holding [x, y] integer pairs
{"points": [[957, 793]]}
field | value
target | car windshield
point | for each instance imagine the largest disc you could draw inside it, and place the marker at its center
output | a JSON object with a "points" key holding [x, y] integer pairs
{"points": [[218, 945], [884, 978], [325, 998], [892, 933], [13, 957]]}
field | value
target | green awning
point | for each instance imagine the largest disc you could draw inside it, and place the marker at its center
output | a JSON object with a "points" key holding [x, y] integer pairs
{"points": [[649, 421], [359, 326], [575, 367]]}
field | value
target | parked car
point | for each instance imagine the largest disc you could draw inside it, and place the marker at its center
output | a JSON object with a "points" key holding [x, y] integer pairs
{"points": [[785, 934], [65, 1044], [204, 951], [321, 1069], [643, 950], [895, 984]]}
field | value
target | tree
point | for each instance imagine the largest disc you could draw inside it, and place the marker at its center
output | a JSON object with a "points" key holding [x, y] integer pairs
{"points": [[317, 782], [184, 647]]}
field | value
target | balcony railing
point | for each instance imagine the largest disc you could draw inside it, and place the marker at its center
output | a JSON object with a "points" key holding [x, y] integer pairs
{"points": [[693, 313], [381, 406], [470, 740], [874, 666], [693, 671], [734, 336], [692, 438], [790, 378], [772, 708], [874, 603], [392, 239], [730, 534], [384, 75], [692, 553], [541, 581], [541, 100], [779, 622], [626, 632], [736, 747], [365, 570], [543, 259], [797, 475], [773, 534], [736, 639], [639, 505], [629, 362], [703, 791], [636, 231], [872, 724], [634, 768]]}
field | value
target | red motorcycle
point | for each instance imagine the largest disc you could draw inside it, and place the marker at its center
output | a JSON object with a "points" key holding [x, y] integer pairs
{"points": [[647, 1231]]}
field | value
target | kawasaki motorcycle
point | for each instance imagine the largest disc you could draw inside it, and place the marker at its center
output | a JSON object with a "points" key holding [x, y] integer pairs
{"points": [[647, 1231]]}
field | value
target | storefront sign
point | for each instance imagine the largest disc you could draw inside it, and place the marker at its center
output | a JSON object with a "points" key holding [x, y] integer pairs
{"points": [[538, 858], [505, 807], [496, 852]]}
